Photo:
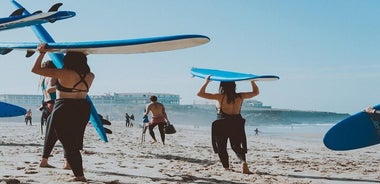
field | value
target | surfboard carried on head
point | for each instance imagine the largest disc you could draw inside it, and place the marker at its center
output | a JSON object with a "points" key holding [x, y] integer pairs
{"points": [[357, 131], [229, 76], [10, 110], [102, 47], [129, 46]]}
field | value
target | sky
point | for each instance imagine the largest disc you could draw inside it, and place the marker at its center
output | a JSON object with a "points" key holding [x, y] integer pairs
{"points": [[326, 52]]}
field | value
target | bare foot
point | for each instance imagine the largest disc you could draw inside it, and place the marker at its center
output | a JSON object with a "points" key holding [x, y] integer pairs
{"points": [[66, 166], [79, 179], [153, 142], [46, 166], [245, 169], [44, 163]]}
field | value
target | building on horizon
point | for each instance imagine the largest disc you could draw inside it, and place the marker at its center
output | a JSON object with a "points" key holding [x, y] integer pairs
{"points": [[106, 99]]}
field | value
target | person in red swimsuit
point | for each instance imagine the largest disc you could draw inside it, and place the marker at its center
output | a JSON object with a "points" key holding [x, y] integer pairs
{"points": [[159, 118]]}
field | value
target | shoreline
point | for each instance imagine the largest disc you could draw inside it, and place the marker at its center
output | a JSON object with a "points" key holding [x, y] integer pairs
{"points": [[187, 157]]}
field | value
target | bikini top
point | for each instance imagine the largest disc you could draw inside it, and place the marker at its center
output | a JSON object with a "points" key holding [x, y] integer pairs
{"points": [[73, 89]]}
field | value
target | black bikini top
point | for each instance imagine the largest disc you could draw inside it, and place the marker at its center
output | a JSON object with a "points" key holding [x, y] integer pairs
{"points": [[73, 89]]}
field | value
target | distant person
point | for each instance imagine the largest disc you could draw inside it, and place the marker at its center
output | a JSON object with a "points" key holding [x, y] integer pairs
{"points": [[71, 111], [48, 86], [159, 118], [28, 117], [256, 131], [48, 91], [127, 120], [145, 126], [229, 124], [132, 117]]}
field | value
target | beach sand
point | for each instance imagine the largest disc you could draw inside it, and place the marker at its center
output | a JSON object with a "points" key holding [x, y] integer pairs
{"points": [[187, 157]]}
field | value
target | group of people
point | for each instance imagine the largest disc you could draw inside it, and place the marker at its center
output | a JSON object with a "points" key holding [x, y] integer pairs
{"points": [[128, 118], [69, 112]]}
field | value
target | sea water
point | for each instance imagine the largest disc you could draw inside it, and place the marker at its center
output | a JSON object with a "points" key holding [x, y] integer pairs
{"points": [[313, 132]]}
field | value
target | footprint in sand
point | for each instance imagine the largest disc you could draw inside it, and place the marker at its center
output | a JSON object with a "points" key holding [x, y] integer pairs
{"points": [[10, 181], [31, 172]]}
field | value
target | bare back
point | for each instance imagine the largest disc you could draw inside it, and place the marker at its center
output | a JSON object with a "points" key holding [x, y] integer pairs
{"points": [[229, 108], [157, 109]]}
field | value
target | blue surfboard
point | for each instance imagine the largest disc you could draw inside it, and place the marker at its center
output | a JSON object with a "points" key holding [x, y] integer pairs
{"points": [[10, 110], [357, 131], [57, 59], [129, 46], [18, 21], [229, 76]]}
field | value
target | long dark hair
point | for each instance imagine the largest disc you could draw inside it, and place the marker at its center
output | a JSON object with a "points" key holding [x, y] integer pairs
{"points": [[76, 61], [48, 64], [228, 89]]}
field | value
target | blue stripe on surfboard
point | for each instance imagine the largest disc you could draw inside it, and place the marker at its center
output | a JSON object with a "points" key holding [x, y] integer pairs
{"points": [[128, 46], [356, 131], [57, 59], [228, 76], [17, 22], [10, 110]]}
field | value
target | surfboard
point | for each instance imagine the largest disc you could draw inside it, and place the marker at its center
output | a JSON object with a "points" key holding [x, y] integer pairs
{"points": [[356, 131], [57, 59], [229, 76], [128, 46], [18, 21], [10, 110]]}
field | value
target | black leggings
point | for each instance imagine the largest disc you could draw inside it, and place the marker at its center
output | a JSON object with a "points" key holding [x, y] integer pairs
{"points": [[160, 128], [233, 129], [69, 119]]}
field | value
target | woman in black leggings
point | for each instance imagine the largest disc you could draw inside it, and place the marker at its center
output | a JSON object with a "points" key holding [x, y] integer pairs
{"points": [[71, 111], [229, 124]]}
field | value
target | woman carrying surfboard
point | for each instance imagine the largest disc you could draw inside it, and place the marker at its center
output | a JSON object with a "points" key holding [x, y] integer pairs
{"points": [[71, 111], [229, 124]]}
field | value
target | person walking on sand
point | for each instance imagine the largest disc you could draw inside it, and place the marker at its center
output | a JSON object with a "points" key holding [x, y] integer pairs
{"points": [[71, 111], [229, 124], [159, 118], [48, 85], [28, 117]]}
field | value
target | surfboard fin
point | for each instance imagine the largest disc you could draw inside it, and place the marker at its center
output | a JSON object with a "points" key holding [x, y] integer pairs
{"points": [[29, 53], [108, 131], [17, 12], [5, 51], [55, 7]]}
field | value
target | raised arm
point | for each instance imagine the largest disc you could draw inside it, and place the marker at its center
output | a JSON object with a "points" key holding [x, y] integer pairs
{"points": [[44, 71], [255, 91], [202, 92]]}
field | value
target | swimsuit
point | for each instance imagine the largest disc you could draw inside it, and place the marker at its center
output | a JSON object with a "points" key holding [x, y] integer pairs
{"points": [[69, 119], [73, 89], [229, 127]]}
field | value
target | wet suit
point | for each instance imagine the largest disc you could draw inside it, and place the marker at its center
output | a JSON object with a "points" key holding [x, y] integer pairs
{"points": [[229, 127], [69, 119]]}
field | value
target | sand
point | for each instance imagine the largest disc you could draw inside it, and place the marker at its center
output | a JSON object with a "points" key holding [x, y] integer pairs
{"points": [[187, 157]]}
